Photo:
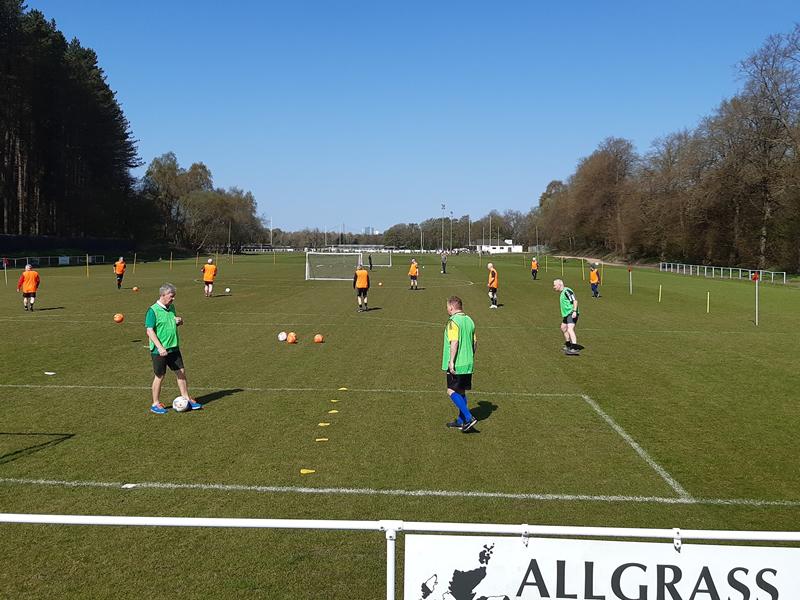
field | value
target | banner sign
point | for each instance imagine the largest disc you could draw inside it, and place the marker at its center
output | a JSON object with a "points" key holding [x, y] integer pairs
{"points": [[446, 567]]}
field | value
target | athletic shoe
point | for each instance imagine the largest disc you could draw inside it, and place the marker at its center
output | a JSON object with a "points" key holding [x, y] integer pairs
{"points": [[158, 409], [31, 307], [455, 424], [492, 306], [467, 426], [195, 405], [572, 352]]}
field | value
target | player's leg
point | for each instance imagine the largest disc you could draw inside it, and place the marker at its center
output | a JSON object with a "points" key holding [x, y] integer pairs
{"points": [[571, 334], [31, 300], [366, 302], [25, 301], [565, 333], [210, 289]]}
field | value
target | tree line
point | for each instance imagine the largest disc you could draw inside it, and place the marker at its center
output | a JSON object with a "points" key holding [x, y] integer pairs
{"points": [[726, 192], [67, 151]]}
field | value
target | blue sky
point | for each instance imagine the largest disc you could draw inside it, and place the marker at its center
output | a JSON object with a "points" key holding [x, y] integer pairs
{"points": [[372, 113]]}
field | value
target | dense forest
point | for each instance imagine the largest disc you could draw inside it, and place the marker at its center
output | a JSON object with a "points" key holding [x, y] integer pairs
{"points": [[67, 151]]}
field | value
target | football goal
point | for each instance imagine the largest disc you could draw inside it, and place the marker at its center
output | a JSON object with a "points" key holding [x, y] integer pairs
{"points": [[335, 266], [379, 259]]}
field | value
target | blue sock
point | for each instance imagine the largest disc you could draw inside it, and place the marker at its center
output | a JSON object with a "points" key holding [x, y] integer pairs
{"points": [[461, 403]]}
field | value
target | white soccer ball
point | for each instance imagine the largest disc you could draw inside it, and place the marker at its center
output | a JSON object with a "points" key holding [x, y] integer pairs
{"points": [[227, 290], [282, 336], [180, 404]]}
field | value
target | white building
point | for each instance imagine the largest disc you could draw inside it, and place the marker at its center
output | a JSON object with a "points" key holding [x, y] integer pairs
{"points": [[507, 247]]}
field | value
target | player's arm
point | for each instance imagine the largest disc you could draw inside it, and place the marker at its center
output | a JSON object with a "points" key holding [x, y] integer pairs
{"points": [[151, 333], [367, 280], [355, 278], [453, 351], [19, 283], [574, 304]]}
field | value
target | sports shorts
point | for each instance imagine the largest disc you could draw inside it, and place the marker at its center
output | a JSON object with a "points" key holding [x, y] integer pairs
{"points": [[208, 282], [459, 382], [120, 276], [173, 360], [492, 290], [568, 319], [413, 277], [361, 292], [29, 294]]}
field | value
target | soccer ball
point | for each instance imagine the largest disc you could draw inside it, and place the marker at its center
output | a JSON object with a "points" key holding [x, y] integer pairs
{"points": [[291, 337], [282, 336], [119, 318], [180, 404], [318, 339], [380, 283], [135, 288], [227, 290]]}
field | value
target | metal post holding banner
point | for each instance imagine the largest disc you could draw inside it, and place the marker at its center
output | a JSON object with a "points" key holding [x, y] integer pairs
{"points": [[134, 263], [708, 302], [659, 293], [630, 281]]}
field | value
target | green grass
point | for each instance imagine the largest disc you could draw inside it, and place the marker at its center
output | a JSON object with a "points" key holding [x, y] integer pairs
{"points": [[709, 397]]}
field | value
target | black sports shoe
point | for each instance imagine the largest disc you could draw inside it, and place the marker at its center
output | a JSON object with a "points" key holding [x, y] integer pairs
{"points": [[572, 352], [469, 425], [454, 425]]}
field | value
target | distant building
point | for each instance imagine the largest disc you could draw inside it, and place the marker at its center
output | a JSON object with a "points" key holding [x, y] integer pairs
{"points": [[369, 231], [507, 247]]}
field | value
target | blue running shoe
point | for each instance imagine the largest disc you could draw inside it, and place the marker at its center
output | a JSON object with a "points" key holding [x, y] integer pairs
{"points": [[158, 409], [195, 405]]}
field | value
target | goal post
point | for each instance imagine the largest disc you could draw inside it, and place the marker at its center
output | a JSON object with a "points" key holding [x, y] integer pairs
{"points": [[379, 259], [331, 266]]}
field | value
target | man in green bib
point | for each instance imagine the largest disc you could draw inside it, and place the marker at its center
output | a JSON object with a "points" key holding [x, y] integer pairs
{"points": [[162, 325], [458, 360], [569, 317]]}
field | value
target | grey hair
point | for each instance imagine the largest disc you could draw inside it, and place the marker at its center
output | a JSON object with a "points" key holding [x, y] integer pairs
{"points": [[167, 288]]}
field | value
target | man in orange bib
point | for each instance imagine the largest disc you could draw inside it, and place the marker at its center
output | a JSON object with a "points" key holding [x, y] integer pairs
{"points": [[119, 271], [492, 285], [361, 286], [209, 272], [28, 284], [413, 273]]}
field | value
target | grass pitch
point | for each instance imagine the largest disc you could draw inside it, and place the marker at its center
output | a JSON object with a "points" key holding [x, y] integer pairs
{"points": [[671, 417]]}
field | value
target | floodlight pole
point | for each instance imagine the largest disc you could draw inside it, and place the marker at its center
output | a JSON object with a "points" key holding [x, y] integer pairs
{"points": [[469, 232], [443, 207], [451, 231]]}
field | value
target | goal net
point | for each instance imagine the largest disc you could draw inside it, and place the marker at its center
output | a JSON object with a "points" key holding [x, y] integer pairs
{"points": [[379, 259], [336, 266]]}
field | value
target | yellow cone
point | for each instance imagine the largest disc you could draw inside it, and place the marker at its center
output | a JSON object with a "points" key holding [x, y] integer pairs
{"points": [[323, 424], [334, 401], [342, 389], [333, 412], [321, 440], [307, 471]]}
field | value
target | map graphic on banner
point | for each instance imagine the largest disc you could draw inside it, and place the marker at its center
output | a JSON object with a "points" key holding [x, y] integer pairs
{"points": [[444, 567]]}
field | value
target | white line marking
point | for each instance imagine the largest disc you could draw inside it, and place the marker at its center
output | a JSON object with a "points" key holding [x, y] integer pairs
{"points": [[287, 389], [639, 450], [280, 489]]}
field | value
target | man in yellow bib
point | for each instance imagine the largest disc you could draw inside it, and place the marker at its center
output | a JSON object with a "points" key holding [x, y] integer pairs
{"points": [[594, 280], [534, 267]]}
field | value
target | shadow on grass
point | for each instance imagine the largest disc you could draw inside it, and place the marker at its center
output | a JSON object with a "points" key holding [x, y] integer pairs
{"points": [[54, 440], [372, 308], [484, 410], [49, 308], [214, 396]]}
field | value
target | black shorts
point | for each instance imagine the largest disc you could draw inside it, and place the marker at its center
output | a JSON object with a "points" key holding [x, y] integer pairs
{"points": [[459, 382], [29, 294], [361, 292], [492, 290], [208, 283], [569, 319], [119, 277], [173, 360], [413, 277]]}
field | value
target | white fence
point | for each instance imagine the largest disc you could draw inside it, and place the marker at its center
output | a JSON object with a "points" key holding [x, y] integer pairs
{"points": [[722, 272], [391, 528], [54, 261]]}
